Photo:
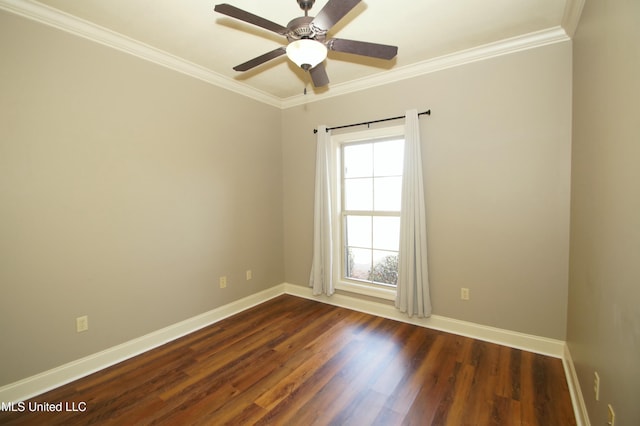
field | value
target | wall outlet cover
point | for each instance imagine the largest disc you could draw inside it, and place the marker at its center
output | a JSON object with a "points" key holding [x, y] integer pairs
{"points": [[82, 323]]}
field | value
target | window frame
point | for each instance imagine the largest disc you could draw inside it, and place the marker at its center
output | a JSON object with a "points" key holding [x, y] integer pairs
{"points": [[337, 141]]}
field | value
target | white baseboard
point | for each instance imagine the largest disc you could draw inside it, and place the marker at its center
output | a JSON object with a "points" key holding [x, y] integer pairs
{"points": [[45, 381], [514, 339], [577, 398], [51, 379]]}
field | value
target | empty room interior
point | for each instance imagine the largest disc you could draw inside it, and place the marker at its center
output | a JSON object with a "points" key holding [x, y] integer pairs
{"points": [[159, 213]]}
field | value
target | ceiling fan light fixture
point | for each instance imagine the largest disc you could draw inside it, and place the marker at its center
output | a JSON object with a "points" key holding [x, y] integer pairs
{"points": [[306, 53]]}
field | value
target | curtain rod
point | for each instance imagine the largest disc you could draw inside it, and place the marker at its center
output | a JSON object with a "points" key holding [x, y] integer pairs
{"points": [[427, 112]]}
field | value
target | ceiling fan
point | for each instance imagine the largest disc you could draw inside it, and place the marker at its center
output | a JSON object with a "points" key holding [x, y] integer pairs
{"points": [[307, 37]]}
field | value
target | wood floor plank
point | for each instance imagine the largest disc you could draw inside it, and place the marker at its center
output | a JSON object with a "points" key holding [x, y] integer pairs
{"points": [[322, 350], [527, 390], [416, 372], [358, 399], [346, 387], [296, 361], [291, 408], [425, 406], [394, 371], [482, 391], [460, 394]]}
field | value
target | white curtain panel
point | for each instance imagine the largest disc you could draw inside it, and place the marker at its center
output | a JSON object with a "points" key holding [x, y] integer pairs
{"points": [[321, 279], [412, 294]]}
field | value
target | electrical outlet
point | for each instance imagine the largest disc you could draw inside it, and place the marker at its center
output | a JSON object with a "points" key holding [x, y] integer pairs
{"points": [[82, 323], [611, 416], [596, 385], [249, 274], [464, 293], [223, 282]]}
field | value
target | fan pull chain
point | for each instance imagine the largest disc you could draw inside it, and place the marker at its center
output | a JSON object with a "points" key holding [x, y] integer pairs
{"points": [[306, 84]]}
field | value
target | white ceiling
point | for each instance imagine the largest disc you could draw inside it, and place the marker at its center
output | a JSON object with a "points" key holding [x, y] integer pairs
{"points": [[423, 30]]}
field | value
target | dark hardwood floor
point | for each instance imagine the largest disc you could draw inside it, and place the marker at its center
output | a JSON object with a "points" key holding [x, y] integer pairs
{"points": [[292, 361]]}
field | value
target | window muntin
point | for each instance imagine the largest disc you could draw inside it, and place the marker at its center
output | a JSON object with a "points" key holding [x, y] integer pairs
{"points": [[371, 184]]}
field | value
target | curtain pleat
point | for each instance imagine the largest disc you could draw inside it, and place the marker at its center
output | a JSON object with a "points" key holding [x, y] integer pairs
{"points": [[321, 279], [412, 294]]}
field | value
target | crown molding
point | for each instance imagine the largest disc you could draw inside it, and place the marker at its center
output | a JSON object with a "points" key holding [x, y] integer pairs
{"points": [[572, 13], [480, 53], [71, 24], [55, 18]]}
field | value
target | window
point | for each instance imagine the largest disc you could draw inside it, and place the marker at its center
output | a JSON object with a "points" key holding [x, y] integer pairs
{"points": [[369, 171]]}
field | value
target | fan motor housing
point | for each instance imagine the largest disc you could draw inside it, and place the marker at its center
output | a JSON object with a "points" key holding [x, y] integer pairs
{"points": [[301, 27]]}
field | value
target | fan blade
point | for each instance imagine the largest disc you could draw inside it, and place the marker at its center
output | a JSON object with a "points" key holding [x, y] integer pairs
{"points": [[363, 48], [319, 75], [234, 12], [332, 12], [260, 59]]}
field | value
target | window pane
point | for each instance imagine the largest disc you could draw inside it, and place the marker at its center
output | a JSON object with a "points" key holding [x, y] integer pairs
{"points": [[358, 194], [388, 194], [358, 231], [388, 158], [385, 267], [386, 233], [358, 161], [371, 183], [358, 263]]}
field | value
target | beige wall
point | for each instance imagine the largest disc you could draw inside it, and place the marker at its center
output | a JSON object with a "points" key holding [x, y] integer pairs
{"points": [[496, 155], [604, 292], [126, 190]]}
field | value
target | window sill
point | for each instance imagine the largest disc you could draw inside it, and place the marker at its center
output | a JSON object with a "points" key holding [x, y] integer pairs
{"points": [[367, 290]]}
